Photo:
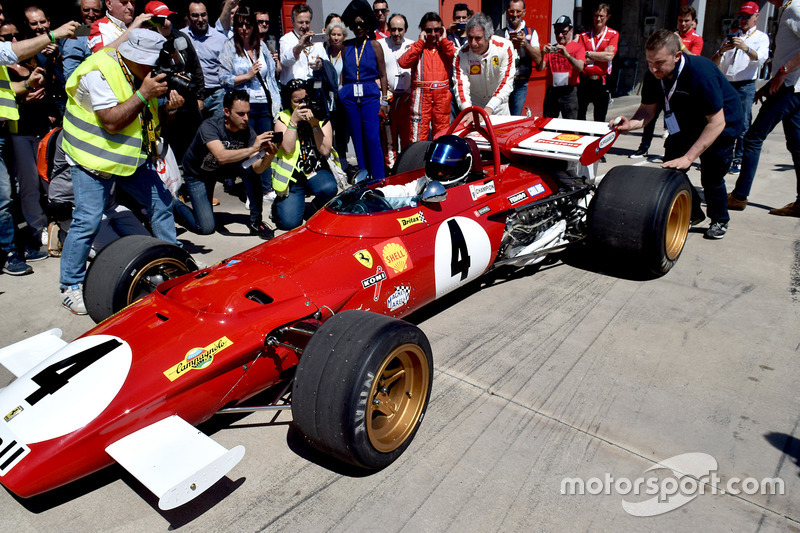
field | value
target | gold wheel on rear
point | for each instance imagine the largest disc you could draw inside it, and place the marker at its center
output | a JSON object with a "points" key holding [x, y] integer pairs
{"points": [[397, 397], [148, 277], [678, 221]]}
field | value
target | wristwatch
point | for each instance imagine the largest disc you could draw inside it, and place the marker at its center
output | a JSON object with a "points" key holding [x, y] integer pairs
{"points": [[783, 70]]}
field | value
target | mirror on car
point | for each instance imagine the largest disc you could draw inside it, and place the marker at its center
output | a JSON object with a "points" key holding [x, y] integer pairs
{"points": [[434, 192], [361, 178]]}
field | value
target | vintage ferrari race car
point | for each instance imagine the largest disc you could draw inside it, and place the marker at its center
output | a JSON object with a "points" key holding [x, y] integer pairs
{"points": [[313, 316]]}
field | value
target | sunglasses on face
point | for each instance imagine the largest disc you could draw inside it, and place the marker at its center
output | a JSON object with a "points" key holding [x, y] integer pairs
{"points": [[433, 30], [379, 11], [9, 37], [260, 22], [244, 24], [559, 31], [745, 17], [199, 15]]}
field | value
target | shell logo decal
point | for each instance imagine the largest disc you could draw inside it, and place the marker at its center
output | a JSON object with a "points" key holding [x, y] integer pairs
{"points": [[396, 256]]}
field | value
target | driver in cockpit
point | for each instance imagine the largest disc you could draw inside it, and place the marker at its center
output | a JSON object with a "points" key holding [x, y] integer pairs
{"points": [[448, 160]]}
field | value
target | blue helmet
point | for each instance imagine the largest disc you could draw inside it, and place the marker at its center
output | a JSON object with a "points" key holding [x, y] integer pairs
{"points": [[448, 160]]}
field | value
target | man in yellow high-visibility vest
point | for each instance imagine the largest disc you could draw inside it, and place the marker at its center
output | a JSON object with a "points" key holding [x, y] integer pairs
{"points": [[109, 136], [11, 261]]}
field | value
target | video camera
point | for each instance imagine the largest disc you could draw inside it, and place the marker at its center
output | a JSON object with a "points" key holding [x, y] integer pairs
{"points": [[176, 79]]}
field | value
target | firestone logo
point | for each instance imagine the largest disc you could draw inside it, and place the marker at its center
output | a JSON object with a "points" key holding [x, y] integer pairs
{"points": [[692, 474]]}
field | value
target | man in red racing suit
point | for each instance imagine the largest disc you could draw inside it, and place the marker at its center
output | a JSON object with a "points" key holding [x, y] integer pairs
{"points": [[430, 59]]}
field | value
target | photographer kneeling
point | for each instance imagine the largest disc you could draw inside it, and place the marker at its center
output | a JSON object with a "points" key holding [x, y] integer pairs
{"points": [[217, 152], [300, 167]]}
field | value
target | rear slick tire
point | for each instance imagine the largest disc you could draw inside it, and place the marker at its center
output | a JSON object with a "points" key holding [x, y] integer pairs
{"points": [[128, 269], [362, 387], [412, 158], [643, 214]]}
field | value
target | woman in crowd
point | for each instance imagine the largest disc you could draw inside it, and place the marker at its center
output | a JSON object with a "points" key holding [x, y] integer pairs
{"points": [[335, 34], [300, 167], [361, 98], [245, 63]]}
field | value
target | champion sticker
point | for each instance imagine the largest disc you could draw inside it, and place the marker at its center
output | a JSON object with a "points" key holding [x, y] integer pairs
{"points": [[399, 298], [364, 257], [475, 69], [481, 190], [396, 256], [483, 210], [407, 222], [517, 198], [198, 358], [536, 190]]}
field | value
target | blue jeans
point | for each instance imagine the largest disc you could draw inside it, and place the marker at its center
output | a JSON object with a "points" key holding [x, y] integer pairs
{"points": [[746, 92], [200, 217], [30, 196], [91, 198], [516, 100], [714, 165], [6, 220], [781, 107], [289, 209], [261, 121], [212, 104]]}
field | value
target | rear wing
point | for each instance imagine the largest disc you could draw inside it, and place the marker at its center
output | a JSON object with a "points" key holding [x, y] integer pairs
{"points": [[580, 142]]}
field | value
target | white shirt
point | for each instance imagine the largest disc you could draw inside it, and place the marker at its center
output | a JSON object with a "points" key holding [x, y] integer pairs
{"points": [[787, 42], [7, 55], [399, 78], [737, 65], [298, 67]]}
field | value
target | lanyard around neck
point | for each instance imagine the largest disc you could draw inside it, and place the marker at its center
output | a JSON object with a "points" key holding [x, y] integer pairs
{"points": [[358, 59], [674, 85], [146, 116]]}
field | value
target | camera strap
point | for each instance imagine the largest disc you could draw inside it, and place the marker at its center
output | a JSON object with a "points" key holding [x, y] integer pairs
{"points": [[145, 118]]}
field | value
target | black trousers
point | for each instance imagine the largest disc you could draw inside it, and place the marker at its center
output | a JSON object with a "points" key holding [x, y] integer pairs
{"points": [[593, 92]]}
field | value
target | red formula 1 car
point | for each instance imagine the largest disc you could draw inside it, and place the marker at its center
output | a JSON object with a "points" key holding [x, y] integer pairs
{"points": [[313, 315]]}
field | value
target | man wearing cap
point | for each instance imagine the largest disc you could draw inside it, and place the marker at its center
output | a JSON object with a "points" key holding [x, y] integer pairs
{"points": [[484, 70], [702, 113], [207, 43], [113, 29], [601, 44], [564, 66], [740, 58], [109, 136], [781, 103], [526, 44]]}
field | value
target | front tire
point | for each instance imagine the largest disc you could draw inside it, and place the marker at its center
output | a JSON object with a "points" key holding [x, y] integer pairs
{"points": [[129, 269], [642, 213], [362, 387]]}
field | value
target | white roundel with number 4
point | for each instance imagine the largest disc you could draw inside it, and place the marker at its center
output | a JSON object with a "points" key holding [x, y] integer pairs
{"points": [[462, 253]]}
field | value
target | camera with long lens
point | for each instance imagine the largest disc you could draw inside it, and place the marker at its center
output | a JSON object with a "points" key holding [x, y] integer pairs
{"points": [[176, 79], [316, 107]]}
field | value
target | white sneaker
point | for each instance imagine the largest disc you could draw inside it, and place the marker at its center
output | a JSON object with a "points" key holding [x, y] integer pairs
{"points": [[72, 300], [44, 236]]}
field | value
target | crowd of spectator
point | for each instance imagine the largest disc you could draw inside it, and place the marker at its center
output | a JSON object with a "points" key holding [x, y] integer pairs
{"points": [[141, 99]]}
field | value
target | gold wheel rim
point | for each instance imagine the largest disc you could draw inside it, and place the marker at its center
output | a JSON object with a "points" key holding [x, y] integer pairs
{"points": [[397, 397], [678, 222], [149, 276]]}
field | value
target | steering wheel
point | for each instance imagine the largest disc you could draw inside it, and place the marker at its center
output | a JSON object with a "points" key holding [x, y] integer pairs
{"points": [[483, 128], [370, 202]]}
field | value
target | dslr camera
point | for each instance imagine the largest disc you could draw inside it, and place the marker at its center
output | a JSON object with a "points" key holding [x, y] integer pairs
{"points": [[316, 107], [176, 79]]}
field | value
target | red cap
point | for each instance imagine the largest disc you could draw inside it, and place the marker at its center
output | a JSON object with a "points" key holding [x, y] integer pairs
{"points": [[160, 9], [749, 8]]}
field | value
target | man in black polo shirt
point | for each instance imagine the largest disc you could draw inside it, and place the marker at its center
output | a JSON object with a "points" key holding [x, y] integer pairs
{"points": [[703, 115]]}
